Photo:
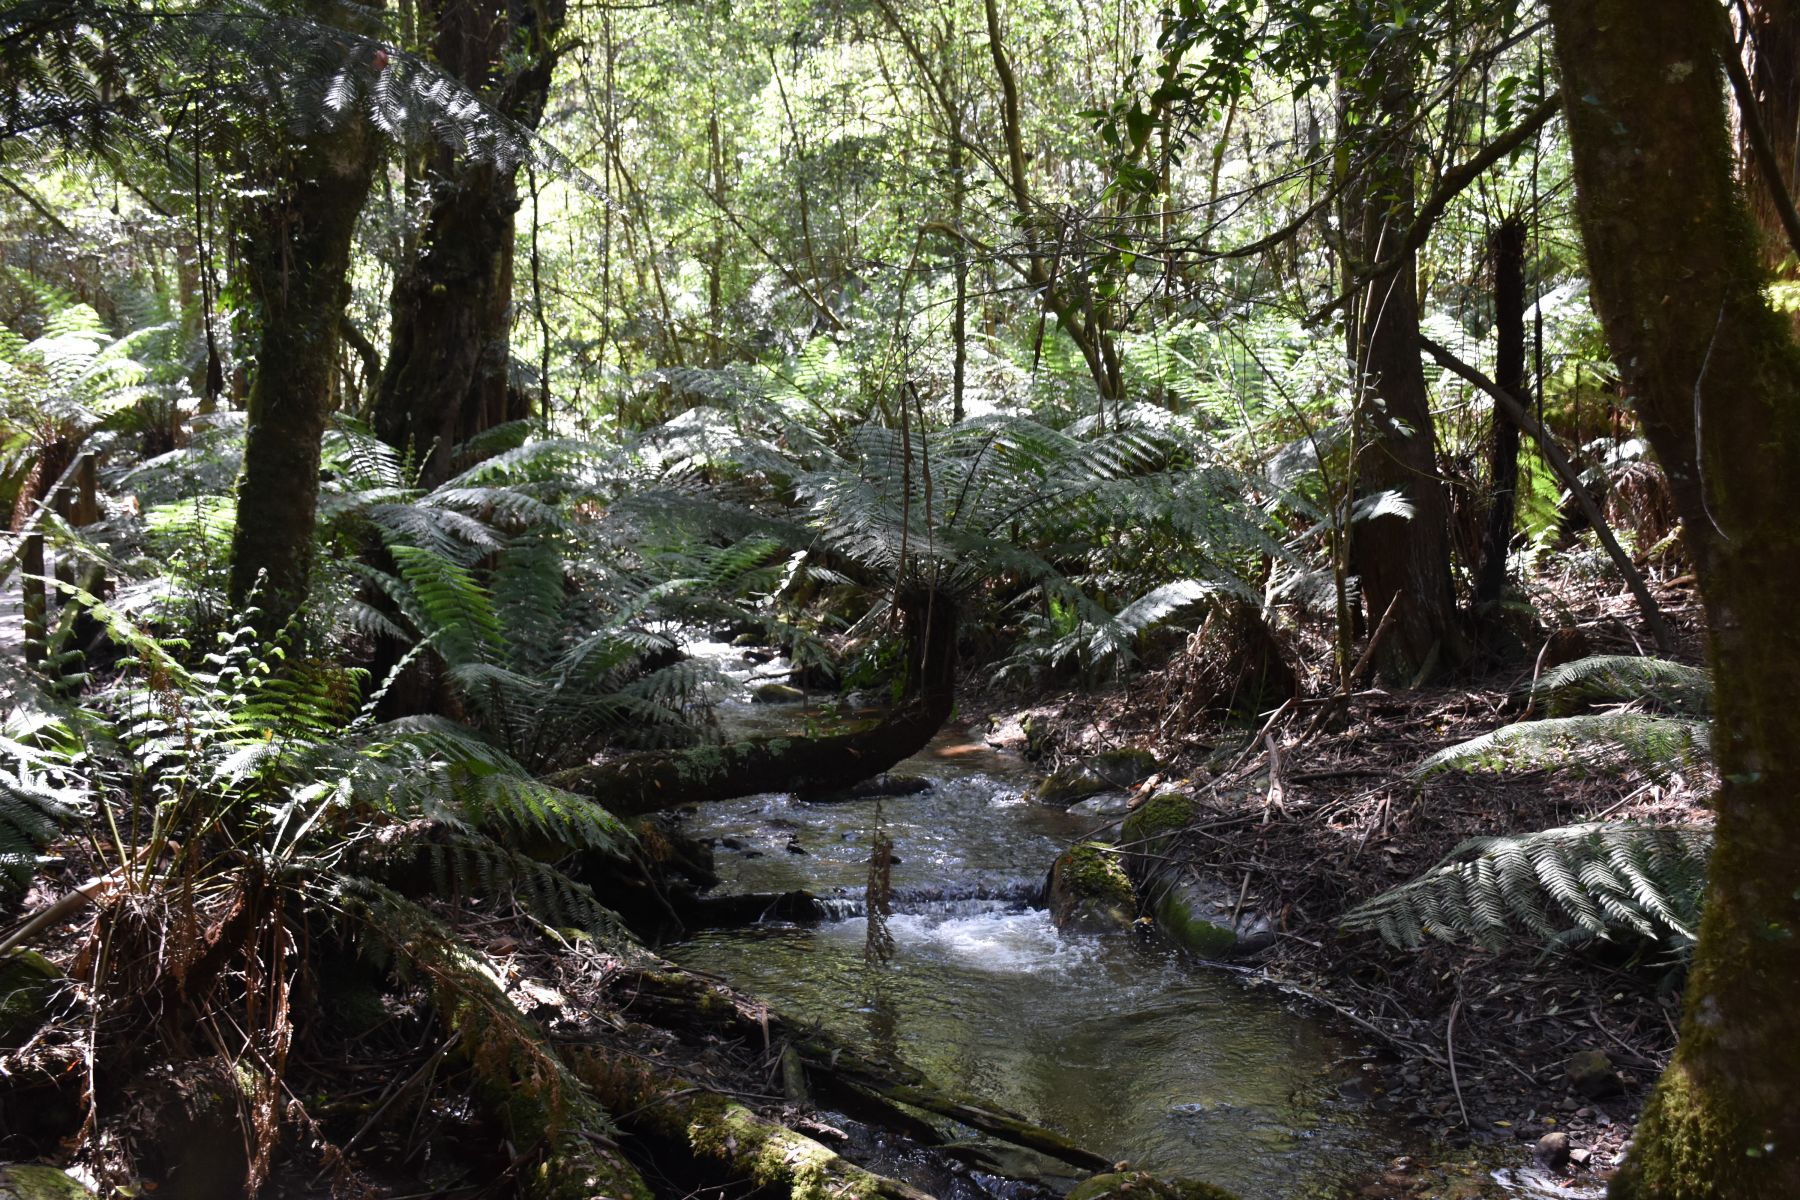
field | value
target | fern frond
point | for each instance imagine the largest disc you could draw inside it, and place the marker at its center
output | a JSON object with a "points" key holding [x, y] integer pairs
{"points": [[1605, 879], [1618, 678]]}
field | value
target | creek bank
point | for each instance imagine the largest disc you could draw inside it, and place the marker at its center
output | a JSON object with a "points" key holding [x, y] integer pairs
{"points": [[1344, 822]]}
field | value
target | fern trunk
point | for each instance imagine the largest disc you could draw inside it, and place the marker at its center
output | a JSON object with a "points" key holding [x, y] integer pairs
{"points": [[1677, 280], [1503, 450], [295, 242], [1395, 556], [447, 365]]}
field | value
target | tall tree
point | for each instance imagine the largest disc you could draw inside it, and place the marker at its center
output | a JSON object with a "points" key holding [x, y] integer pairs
{"points": [[295, 237], [1403, 562], [1713, 371], [446, 373], [1503, 449]]}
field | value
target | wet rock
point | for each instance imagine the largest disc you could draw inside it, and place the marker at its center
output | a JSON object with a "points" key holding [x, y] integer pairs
{"points": [[777, 693], [28, 981], [1112, 770], [869, 789], [1139, 1185], [1552, 1151], [1089, 889], [1580, 1156], [1068, 785], [1591, 1074], [1202, 915], [20, 1181], [1124, 767], [1106, 804]]}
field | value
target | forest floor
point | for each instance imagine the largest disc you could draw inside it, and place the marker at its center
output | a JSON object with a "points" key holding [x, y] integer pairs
{"points": [[1477, 1044]]}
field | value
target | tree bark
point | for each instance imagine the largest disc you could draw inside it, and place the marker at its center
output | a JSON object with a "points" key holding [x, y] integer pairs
{"points": [[1677, 276], [1509, 374], [1773, 29], [1396, 556], [295, 242], [446, 374]]}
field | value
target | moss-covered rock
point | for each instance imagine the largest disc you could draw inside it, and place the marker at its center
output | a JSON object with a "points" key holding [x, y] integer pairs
{"points": [[1203, 915], [1151, 829], [28, 980], [1139, 1185], [1068, 785], [21, 1181], [1124, 767], [1090, 890], [777, 693], [1185, 915]]}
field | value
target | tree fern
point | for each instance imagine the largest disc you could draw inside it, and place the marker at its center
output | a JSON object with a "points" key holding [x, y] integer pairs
{"points": [[1618, 678], [1569, 883]]}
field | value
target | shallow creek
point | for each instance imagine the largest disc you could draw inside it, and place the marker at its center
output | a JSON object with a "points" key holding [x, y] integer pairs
{"points": [[1180, 1068]]}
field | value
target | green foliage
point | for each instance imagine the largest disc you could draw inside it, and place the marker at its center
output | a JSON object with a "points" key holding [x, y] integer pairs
{"points": [[1559, 885], [1618, 678], [40, 791]]}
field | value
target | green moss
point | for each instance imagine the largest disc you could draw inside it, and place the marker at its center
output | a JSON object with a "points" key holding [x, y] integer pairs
{"points": [[21, 1182], [1139, 1185], [1680, 1143], [1089, 889], [1179, 923], [1091, 871], [1161, 816]]}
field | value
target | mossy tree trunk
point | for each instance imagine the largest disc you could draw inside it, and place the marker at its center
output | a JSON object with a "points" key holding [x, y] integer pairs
{"points": [[446, 374], [1677, 278], [295, 240], [1395, 556]]}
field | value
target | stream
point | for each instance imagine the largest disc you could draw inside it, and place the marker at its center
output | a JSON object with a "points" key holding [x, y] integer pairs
{"points": [[1139, 1054]]}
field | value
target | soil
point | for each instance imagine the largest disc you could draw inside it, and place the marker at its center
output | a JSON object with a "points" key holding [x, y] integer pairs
{"points": [[1475, 1044]]}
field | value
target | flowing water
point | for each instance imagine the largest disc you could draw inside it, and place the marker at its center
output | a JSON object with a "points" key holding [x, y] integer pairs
{"points": [[1136, 1052]]}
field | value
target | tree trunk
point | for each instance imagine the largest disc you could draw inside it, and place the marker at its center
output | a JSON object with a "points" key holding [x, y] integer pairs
{"points": [[446, 375], [1396, 556], [295, 244], [1503, 451], [1774, 71], [1677, 280]]}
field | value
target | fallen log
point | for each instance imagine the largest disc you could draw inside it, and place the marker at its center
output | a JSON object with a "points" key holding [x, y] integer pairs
{"points": [[726, 1133], [681, 997], [656, 781]]}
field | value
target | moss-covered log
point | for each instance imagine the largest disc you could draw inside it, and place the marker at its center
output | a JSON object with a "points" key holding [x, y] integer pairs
{"points": [[1714, 372], [727, 1134], [658, 780]]}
